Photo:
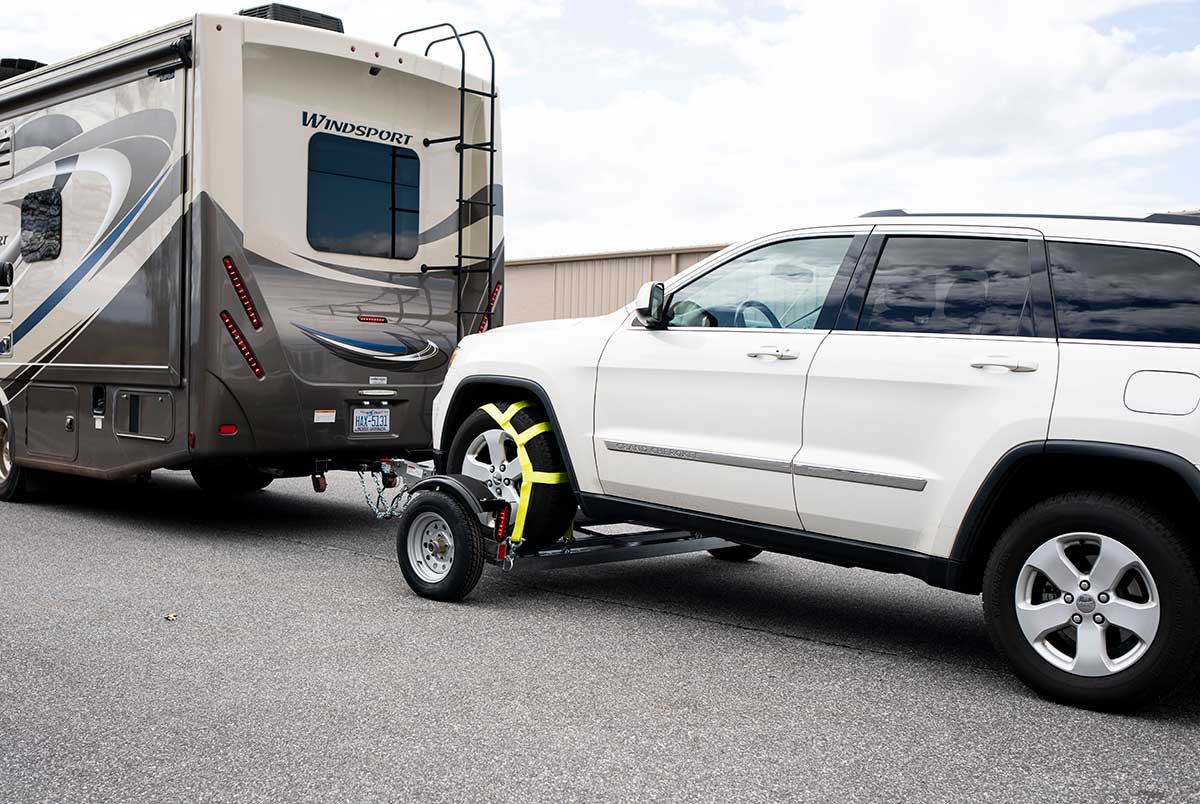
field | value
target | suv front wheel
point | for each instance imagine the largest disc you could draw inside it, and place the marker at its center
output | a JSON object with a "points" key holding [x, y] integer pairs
{"points": [[1095, 601]]}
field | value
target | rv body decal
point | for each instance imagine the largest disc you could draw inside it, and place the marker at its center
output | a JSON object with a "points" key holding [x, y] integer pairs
{"points": [[398, 352], [326, 123]]}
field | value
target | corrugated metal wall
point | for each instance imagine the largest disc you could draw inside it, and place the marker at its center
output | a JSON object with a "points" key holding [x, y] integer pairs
{"points": [[593, 284]]}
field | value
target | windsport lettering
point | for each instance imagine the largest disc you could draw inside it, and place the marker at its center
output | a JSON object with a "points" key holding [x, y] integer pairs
{"points": [[320, 121]]}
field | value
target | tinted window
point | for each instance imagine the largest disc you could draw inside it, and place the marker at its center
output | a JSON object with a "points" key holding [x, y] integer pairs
{"points": [[363, 197], [41, 226], [782, 285], [958, 286], [1125, 294]]}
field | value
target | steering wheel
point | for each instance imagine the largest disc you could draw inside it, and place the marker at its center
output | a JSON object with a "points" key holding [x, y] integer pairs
{"points": [[739, 317]]}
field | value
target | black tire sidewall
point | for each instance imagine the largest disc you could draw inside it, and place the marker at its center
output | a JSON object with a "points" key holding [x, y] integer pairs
{"points": [[467, 566], [737, 553], [11, 489], [1168, 660]]}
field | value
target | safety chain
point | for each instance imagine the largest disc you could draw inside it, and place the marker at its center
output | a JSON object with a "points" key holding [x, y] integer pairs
{"points": [[380, 505]]}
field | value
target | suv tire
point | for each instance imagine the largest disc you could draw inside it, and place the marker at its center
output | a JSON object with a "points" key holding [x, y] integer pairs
{"points": [[1117, 563], [12, 477], [551, 505]]}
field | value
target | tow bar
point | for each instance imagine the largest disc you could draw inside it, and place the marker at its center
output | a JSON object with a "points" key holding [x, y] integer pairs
{"points": [[451, 525]]}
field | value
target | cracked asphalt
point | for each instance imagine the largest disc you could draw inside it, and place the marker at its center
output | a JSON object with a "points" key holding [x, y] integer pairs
{"points": [[300, 668]]}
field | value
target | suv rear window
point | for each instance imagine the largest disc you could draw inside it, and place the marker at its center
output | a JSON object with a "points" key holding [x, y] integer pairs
{"points": [[363, 197], [1125, 294], [950, 285]]}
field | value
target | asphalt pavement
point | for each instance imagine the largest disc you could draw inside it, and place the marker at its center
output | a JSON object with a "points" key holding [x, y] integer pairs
{"points": [[157, 644]]}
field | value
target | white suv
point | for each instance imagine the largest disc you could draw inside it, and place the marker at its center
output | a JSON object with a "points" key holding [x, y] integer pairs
{"points": [[1002, 404]]}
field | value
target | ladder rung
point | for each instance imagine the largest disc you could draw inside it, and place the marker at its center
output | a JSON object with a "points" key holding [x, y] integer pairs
{"points": [[427, 268], [477, 146], [469, 257], [439, 140], [474, 312], [477, 203], [480, 92]]}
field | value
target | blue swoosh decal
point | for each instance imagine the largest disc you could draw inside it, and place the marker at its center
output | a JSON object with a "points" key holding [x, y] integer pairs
{"points": [[392, 349], [52, 301]]}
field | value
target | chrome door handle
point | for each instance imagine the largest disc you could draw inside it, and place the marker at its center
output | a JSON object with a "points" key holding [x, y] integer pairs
{"points": [[775, 352], [1010, 363]]}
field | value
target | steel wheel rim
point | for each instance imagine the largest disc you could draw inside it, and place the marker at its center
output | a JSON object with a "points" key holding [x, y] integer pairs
{"points": [[430, 547], [6, 462], [1106, 612], [492, 459]]}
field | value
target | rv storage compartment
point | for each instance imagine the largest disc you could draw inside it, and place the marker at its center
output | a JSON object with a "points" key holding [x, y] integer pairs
{"points": [[52, 415]]}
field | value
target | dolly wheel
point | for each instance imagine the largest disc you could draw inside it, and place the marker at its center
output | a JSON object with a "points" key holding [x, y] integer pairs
{"points": [[439, 547]]}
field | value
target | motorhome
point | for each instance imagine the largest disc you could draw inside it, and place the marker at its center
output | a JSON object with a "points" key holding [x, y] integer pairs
{"points": [[245, 245]]}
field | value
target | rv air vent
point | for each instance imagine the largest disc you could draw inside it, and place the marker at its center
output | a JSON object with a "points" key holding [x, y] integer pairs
{"points": [[7, 153], [10, 68], [296, 16]]}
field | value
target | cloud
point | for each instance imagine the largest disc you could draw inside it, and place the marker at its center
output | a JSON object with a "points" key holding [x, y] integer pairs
{"points": [[842, 107]]}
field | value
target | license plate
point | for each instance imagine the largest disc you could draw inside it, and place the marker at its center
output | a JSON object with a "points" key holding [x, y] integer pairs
{"points": [[372, 420]]}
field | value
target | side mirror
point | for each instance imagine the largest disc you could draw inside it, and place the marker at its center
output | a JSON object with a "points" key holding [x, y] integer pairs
{"points": [[650, 306], [6, 274]]}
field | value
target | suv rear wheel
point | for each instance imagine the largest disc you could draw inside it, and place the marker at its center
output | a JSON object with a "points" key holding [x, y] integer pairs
{"points": [[1095, 601], [486, 450]]}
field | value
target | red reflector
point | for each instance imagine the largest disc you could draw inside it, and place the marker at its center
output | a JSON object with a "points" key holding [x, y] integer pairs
{"points": [[491, 308], [191, 440], [502, 553], [502, 525], [372, 319], [239, 340], [227, 429], [239, 287]]}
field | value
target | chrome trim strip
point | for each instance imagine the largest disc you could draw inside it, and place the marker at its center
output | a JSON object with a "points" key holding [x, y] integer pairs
{"points": [[867, 478], [699, 456]]}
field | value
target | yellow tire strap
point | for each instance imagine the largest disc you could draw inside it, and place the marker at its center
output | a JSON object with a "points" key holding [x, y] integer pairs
{"points": [[528, 476]]}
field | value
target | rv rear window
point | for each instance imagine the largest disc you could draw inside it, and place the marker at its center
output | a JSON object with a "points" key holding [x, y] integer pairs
{"points": [[363, 197], [41, 225]]}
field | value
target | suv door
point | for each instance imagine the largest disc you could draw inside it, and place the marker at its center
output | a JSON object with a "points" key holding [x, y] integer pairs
{"points": [[943, 359], [706, 414]]}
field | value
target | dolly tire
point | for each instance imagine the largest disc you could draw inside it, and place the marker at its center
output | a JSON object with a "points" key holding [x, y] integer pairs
{"points": [[439, 546], [228, 479], [737, 553], [552, 506], [13, 478]]}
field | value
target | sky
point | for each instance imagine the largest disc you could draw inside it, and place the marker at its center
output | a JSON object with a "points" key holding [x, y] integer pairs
{"points": [[658, 123]]}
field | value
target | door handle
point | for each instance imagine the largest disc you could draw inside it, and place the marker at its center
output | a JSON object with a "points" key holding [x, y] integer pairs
{"points": [[774, 351], [1010, 363]]}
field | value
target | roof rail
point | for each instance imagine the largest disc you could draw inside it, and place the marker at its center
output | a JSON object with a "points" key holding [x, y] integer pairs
{"points": [[1158, 217]]}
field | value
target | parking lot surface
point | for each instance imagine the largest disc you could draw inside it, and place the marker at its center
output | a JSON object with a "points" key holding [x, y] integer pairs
{"points": [[298, 666]]}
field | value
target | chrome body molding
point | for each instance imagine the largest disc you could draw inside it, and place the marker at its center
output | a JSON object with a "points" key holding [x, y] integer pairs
{"points": [[867, 478], [720, 458], [770, 465]]}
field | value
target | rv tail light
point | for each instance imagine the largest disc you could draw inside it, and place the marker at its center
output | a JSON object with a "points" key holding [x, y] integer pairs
{"points": [[228, 429], [239, 340], [239, 287], [491, 308], [372, 319]]}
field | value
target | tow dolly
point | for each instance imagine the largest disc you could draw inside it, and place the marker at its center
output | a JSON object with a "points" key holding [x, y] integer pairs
{"points": [[450, 526]]}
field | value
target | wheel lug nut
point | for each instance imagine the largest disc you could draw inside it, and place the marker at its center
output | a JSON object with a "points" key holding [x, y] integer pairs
{"points": [[1068, 598], [507, 482], [1076, 618], [1085, 585], [1104, 597], [1098, 619], [492, 469]]}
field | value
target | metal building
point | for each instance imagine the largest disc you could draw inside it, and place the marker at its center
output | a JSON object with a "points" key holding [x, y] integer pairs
{"points": [[589, 284]]}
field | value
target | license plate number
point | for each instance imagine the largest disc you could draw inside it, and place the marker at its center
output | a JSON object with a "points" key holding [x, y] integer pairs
{"points": [[372, 420]]}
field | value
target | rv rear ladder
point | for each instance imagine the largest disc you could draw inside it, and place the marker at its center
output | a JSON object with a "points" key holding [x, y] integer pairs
{"points": [[478, 265]]}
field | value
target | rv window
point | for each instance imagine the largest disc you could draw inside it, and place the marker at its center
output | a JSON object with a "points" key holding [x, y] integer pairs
{"points": [[41, 225], [362, 197]]}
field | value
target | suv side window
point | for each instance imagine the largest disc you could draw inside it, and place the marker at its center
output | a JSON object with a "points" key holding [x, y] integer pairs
{"points": [[950, 285], [779, 286], [1125, 294]]}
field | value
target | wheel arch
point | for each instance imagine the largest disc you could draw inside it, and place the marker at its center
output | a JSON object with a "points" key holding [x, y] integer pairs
{"points": [[475, 391], [1031, 472]]}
